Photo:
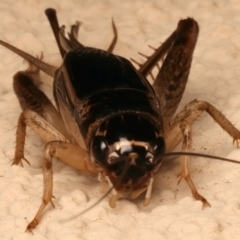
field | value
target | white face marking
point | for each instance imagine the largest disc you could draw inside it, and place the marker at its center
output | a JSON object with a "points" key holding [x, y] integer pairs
{"points": [[112, 156], [125, 143], [117, 146]]}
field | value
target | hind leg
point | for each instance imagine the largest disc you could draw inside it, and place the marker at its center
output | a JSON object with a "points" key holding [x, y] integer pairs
{"points": [[25, 84]]}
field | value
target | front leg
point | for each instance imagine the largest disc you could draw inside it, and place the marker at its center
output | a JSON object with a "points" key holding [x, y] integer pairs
{"points": [[58, 146], [73, 156]]}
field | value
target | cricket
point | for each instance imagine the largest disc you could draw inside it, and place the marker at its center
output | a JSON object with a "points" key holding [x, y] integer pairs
{"points": [[109, 120]]}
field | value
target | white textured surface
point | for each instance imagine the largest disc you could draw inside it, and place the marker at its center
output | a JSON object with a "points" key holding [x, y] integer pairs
{"points": [[172, 213]]}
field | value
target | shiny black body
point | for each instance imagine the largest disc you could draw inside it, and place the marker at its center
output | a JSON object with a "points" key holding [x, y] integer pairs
{"points": [[105, 85]]}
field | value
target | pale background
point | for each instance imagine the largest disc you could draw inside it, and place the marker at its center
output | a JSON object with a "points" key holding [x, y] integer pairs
{"points": [[172, 213]]}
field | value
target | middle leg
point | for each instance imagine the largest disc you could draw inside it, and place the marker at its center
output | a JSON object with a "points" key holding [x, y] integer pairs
{"points": [[179, 130]]}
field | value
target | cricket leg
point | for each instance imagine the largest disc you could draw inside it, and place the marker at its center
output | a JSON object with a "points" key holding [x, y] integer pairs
{"points": [[179, 129], [57, 147], [42, 128], [73, 156], [176, 52], [189, 114], [184, 172], [181, 132], [25, 84]]}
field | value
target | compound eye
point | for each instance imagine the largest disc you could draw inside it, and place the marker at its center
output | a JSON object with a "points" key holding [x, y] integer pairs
{"points": [[99, 149]]}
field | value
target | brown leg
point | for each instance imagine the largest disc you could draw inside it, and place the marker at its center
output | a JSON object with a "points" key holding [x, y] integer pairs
{"points": [[20, 142], [179, 129], [58, 147], [176, 52], [47, 189], [73, 156], [32, 98], [184, 173], [189, 114], [40, 126]]}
